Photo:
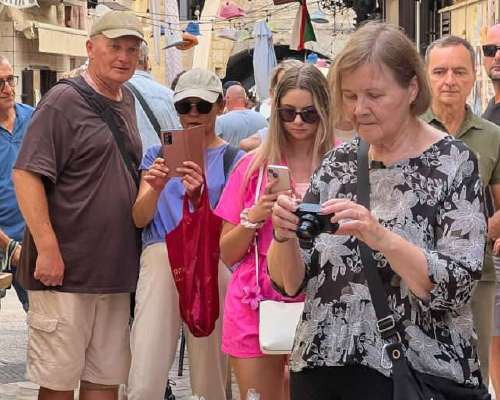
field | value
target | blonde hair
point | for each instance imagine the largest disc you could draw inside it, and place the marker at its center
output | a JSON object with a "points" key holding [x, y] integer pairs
{"points": [[283, 66], [305, 77], [382, 44]]}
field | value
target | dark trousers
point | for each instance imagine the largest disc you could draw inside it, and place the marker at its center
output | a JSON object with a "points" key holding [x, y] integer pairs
{"points": [[340, 383], [22, 295]]}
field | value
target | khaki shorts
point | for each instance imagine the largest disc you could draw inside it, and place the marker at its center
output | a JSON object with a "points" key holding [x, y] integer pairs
{"points": [[75, 336]]}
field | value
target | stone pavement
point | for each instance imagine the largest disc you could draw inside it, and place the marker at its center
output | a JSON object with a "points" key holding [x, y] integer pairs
{"points": [[13, 338]]}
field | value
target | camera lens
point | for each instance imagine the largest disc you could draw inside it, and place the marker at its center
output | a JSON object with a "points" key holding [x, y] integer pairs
{"points": [[308, 227]]}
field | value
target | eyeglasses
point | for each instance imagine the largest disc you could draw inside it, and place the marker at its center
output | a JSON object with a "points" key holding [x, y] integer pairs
{"points": [[309, 114], [11, 80], [184, 106], [489, 50]]}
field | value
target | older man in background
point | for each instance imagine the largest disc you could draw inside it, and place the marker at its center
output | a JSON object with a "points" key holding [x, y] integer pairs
{"points": [[451, 70], [239, 122], [154, 106], [76, 182]]}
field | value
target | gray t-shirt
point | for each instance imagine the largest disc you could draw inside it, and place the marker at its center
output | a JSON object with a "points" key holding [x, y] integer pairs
{"points": [[492, 112], [239, 124], [90, 192]]}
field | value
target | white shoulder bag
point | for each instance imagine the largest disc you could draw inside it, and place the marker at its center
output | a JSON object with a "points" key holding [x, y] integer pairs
{"points": [[277, 320]]}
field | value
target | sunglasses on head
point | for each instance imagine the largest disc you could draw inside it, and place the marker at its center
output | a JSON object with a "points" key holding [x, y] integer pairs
{"points": [[489, 50], [309, 114], [185, 106]]}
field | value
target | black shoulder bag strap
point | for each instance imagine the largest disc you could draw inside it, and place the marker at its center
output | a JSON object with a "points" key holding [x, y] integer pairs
{"points": [[108, 116], [228, 159], [145, 106], [407, 388]]}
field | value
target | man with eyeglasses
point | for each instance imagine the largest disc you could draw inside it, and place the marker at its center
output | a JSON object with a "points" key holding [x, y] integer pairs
{"points": [[158, 210], [14, 120], [491, 60], [450, 63], [75, 180]]}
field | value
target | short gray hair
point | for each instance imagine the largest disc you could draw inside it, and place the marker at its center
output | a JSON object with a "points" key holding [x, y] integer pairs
{"points": [[451, 41], [143, 53]]}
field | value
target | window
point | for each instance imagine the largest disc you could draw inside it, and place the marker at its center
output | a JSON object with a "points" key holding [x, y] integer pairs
{"points": [[187, 9], [446, 23]]}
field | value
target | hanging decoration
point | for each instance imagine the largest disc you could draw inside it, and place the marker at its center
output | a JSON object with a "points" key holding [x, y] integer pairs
{"points": [[154, 6], [173, 63], [193, 28], [229, 9], [19, 3], [264, 58], [302, 31]]}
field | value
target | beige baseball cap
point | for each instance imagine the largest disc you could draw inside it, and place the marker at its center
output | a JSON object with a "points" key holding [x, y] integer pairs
{"points": [[115, 24], [198, 82]]}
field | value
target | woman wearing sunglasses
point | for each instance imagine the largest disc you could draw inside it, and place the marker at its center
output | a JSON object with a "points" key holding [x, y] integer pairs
{"points": [[299, 136], [158, 209]]}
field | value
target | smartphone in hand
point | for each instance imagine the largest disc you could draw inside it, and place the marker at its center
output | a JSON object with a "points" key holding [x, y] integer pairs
{"points": [[183, 145], [280, 175]]}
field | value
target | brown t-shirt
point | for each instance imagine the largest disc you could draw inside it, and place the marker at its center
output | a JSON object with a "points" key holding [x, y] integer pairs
{"points": [[90, 192]]}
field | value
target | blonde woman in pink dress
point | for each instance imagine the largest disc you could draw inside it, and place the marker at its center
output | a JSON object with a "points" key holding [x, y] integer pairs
{"points": [[299, 136]]}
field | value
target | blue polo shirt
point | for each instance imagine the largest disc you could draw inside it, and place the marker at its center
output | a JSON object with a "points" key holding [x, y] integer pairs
{"points": [[11, 220]]}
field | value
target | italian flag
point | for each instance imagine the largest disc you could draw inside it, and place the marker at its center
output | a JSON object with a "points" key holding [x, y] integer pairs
{"points": [[302, 31]]}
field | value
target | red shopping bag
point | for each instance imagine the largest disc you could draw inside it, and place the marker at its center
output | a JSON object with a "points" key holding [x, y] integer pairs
{"points": [[193, 252]]}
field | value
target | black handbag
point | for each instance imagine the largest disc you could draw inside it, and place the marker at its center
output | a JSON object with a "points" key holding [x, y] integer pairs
{"points": [[408, 384]]}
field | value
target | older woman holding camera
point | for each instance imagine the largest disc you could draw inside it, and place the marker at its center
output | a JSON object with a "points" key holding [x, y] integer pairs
{"points": [[426, 229]]}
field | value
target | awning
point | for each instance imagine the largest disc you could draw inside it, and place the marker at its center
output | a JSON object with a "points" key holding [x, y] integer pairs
{"points": [[57, 39]]}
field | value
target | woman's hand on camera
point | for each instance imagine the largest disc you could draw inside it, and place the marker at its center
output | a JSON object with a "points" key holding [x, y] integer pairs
{"points": [[192, 179], [284, 220], [356, 220], [157, 175]]}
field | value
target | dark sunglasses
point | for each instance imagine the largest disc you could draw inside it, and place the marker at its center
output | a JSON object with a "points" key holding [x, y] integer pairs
{"points": [[489, 50], [309, 114], [185, 106]]}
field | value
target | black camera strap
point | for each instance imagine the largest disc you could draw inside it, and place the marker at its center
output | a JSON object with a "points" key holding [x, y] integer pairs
{"points": [[95, 102]]}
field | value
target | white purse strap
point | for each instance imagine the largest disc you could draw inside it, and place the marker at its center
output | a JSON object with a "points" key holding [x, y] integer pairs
{"points": [[256, 249]]}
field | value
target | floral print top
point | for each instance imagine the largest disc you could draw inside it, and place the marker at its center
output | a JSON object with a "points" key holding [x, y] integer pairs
{"points": [[434, 201]]}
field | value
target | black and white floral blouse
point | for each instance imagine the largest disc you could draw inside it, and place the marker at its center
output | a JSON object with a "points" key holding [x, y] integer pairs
{"points": [[435, 202]]}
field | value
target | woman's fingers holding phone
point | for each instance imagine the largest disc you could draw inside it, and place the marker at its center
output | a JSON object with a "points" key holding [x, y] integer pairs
{"points": [[191, 169], [193, 166], [157, 176], [269, 185]]}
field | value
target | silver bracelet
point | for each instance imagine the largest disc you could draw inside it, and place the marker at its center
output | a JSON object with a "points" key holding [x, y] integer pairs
{"points": [[245, 222]]}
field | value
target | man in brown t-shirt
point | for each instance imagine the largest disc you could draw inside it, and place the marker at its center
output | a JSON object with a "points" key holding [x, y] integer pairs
{"points": [[76, 195]]}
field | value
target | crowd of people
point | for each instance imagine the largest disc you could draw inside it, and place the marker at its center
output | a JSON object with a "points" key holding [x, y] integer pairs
{"points": [[87, 199]]}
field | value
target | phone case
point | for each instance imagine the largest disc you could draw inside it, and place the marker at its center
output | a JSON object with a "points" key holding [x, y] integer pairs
{"points": [[282, 175], [183, 145]]}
